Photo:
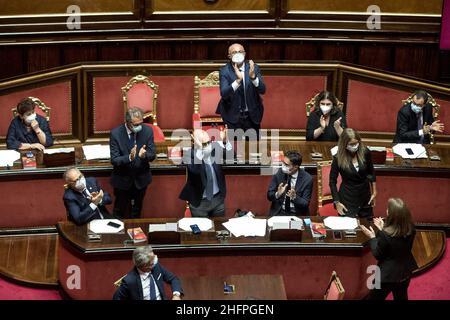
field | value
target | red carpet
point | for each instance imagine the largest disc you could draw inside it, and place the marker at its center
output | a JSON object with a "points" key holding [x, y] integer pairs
{"points": [[432, 285]]}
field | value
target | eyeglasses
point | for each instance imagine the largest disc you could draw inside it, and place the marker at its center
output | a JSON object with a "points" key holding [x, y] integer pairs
{"points": [[240, 51], [77, 179]]}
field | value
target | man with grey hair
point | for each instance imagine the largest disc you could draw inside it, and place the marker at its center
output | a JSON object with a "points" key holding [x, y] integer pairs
{"points": [[132, 148], [83, 198], [146, 280]]}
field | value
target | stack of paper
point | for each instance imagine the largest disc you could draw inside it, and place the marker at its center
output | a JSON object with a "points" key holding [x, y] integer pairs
{"points": [[246, 226], [282, 220], [163, 227], [7, 157], [340, 223], [410, 151], [96, 151], [59, 150], [203, 223]]}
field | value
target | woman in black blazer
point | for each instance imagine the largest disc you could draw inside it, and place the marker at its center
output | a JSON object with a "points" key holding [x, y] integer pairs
{"points": [[327, 121], [391, 245], [356, 195]]}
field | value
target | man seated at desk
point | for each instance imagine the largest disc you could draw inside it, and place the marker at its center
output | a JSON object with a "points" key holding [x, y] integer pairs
{"points": [[291, 188], [146, 280], [28, 130], [205, 188], [415, 121], [84, 199]]}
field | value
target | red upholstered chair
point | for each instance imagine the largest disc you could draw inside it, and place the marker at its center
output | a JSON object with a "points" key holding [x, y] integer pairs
{"points": [[206, 99], [141, 92], [325, 200], [41, 109], [310, 105], [335, 290], [436, 109]]}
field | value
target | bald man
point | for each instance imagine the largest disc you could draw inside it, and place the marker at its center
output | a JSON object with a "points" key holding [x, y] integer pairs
{"points": [[84, 199], [205, 188], [241, 85]]}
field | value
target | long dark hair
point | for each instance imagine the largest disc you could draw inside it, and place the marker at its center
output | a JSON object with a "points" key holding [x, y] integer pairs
{"points": [[344, 157], [399, 221], [323, 96]]}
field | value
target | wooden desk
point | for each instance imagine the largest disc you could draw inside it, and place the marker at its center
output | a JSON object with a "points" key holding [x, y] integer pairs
{"points": [[248, 287], [305, 266], [423, 184]]}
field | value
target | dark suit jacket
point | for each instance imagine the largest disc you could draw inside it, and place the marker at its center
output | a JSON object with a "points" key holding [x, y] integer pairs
{"points": [[354, 192], [131, 286], [231, 102], [330, 133], [197, 180], [394, 256], [77, 204], [303, 187], [18, 134], [137, 172], [407, 130]]}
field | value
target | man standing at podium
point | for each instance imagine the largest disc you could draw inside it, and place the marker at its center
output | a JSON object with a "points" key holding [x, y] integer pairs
{"points": [[132, 148]]}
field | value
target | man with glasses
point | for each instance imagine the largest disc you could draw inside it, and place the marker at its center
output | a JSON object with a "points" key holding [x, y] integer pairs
{"points": [[241, 85], [83, 198], [132, 147], [291, 188], [205, 188], [146, 280], [415, 121]]}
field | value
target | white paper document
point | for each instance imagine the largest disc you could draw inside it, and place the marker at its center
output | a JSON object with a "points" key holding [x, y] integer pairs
{"points": [[96, 151], [7, 157], [334, 151], [203, 223], [340, 223], [246, 226], [379, 149], [59, 150], [282, 219], [101, 226], [163, 227], [410, 151]]}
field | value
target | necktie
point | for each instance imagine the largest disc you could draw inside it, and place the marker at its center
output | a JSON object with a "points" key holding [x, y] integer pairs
{"points": [[420, 125], [287, 200], [152, 288], [209, 181], [132, 141]]}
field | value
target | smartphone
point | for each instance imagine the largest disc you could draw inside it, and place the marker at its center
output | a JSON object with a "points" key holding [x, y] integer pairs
{"points": [[195, 229], [409, 151], [337, 235], [113, 224]]}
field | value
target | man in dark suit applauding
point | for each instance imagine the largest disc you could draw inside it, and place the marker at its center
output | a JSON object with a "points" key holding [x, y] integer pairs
{"points": [[132, 148], [84, 199], [415, 121], [146, 280], [241, 85], [205, 188], [291, 188]]}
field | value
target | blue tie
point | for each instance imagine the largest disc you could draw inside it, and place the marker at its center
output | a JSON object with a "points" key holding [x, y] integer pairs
{"points": [[152, 288], [132, 141]]}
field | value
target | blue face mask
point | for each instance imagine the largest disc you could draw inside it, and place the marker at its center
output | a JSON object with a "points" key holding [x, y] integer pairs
{"points": [[136, 129], [415, 108]]}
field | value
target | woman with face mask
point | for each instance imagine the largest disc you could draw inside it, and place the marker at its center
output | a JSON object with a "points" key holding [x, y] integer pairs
{"points": [[28, 130], [326, 122], [357, 192], [391, 244]]}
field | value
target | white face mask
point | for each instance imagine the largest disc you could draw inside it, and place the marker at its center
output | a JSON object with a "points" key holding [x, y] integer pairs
{"points": [[80, 185], [325, 109], [30, 118], [136, 129], [207, 151], [415, 108], [285, 169], [238, 58], [353, 148]]}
